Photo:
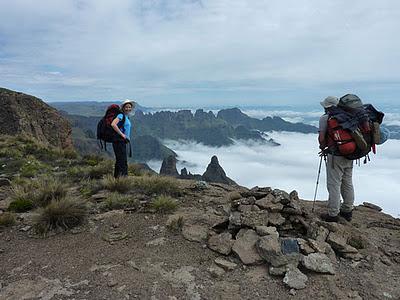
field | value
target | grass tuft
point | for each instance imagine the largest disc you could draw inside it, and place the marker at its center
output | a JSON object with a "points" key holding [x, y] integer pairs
{"points": [[157, 185], [39, 192], [20, 205], [176, 224], [63, 214], [7, 219], [121, 184], [118, 201], [164, 204]]}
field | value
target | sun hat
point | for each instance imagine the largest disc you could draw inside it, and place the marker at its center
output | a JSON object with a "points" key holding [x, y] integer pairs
{"points": [[127, 101], [329, 102]]}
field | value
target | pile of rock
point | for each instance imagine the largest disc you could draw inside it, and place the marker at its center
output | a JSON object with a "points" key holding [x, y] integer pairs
{"points": [[270, 226]]}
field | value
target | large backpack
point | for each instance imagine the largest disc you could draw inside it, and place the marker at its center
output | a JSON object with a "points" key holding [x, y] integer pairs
{"points": [[105, 132], [353, 128]]}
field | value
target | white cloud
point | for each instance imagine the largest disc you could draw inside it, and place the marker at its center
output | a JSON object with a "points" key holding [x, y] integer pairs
{"points": [[159, 47], [294, 165]]}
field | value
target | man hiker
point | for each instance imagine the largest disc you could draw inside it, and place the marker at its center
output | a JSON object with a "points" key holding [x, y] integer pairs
{"points": [[123, 136], [339, 171]]}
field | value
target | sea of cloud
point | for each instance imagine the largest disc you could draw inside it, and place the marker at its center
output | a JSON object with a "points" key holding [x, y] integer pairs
{"points": [[294, 166]]}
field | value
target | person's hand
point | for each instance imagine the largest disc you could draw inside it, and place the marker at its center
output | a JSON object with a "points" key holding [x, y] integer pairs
{"points": [[123, 136]]}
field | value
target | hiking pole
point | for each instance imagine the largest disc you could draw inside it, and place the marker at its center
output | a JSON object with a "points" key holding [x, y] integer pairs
{"points": [[316, 186]]}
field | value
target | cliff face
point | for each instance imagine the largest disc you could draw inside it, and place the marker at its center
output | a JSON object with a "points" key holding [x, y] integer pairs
{"points": [[24, 114]]}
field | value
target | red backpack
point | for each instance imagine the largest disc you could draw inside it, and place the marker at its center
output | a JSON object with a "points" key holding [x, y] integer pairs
{"points": [[350, 144]]}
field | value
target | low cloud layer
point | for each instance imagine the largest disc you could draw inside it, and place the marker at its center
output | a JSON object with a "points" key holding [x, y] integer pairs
{"points": [[294, 165]]}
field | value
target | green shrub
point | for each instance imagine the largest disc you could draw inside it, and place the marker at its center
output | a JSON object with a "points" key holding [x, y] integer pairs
{"points": [[156, 185], [164, 204], [121, 184], [64, 214], [118, 201], [21, 205], [7, 219]]}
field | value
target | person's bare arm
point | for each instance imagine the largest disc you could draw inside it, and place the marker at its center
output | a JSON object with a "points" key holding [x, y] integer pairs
{"points": [[322, 140], [114, 125]]}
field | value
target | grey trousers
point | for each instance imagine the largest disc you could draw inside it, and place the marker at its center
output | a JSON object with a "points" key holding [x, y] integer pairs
{"points": [[339, 171]]}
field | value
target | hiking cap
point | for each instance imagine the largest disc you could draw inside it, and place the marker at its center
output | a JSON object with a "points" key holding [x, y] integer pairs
{"points": [[351, 101], [127, 101], [329, 102]]}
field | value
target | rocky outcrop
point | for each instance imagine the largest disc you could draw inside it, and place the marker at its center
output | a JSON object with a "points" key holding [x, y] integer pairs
{"points": [[168, 167], [236, 117], [215, 173], [28, 115]]}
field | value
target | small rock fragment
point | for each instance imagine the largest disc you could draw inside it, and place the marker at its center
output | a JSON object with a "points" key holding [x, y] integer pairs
{"points": [[295, 279], [225, 264]]}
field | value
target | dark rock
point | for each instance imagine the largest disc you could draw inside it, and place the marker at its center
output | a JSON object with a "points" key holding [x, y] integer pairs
{"points": [[168, 167], [289, 246], [215, 173]]}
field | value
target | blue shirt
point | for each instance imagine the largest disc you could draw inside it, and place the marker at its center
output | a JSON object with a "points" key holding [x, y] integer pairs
{"points": [[126, 128]]}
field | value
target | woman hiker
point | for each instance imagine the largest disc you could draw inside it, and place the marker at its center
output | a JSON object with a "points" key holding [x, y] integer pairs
{"points": [[122, 139]]}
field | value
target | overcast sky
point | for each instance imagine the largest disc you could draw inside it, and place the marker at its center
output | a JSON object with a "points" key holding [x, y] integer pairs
{"points": [[201, 52]]}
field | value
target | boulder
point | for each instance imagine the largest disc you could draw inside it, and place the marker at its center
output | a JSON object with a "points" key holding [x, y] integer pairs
{"points": [[245, 247], [318, 262], [263, 202], [269, 248], [254, 218], [221, 243], [268, 204], [276, 219], [304, 246], [195, 233], [267, 230]]}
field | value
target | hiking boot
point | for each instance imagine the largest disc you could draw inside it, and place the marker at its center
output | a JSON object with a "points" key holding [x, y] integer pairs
{"points": [[328, 218], [347, 215]]}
